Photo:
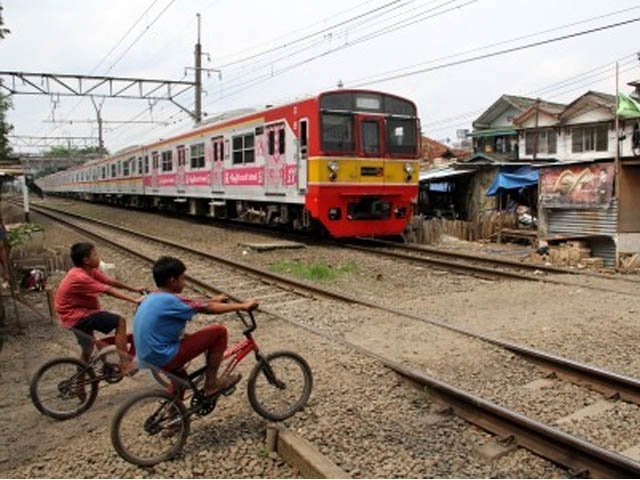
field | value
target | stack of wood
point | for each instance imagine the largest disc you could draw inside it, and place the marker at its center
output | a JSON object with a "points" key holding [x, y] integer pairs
{"points": [[629, 263], [575, 253], [428, 232]]}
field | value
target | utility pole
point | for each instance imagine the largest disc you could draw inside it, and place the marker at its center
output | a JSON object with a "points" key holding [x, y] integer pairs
{"points": [[616, 169], [25, 197], [198, 77], [537, 133], [197, 83], [99, 118]]}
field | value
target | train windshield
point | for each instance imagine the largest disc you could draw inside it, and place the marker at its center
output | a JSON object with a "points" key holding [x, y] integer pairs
{"points": [[337, 133], [401, 136], [345, 112]]}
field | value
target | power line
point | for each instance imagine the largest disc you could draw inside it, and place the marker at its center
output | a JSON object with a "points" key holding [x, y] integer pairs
{"points": [[580, 87], [504, 52], [146, 29], [311, 34], [484, 56]]}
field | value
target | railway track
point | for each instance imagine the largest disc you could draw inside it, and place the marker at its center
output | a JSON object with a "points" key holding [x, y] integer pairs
{"points": [[488, 267], [277, 291]]}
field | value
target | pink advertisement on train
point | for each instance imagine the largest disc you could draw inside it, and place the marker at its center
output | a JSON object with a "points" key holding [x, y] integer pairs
{"points": [[244, 176], [198, 179]]}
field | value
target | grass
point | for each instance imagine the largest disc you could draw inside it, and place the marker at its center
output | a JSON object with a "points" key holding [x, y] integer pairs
{"points": [[316, 272]]}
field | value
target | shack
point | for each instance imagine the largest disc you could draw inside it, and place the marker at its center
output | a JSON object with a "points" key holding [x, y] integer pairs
{"points": [[583, 201]]}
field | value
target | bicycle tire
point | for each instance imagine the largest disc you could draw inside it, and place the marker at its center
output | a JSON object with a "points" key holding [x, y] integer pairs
{"points": [[265, 366], [164, 399], [49, 411], [160, 377]]}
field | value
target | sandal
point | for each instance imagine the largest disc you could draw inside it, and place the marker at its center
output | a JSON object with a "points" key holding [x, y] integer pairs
{"points": [[225, 384]]}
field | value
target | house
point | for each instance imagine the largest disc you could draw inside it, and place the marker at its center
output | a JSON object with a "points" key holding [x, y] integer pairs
{"points": [[585, 194], [495, 134]]}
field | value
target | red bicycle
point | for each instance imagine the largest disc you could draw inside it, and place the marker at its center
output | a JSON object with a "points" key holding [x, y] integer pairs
{"points": [[59, 387], [153, 426]]}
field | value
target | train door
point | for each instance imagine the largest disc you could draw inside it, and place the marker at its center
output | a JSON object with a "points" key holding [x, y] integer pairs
{"points": [[275, 160], [154, 170], [180, 173], [217, 166], [371, 144], [303, 153]]}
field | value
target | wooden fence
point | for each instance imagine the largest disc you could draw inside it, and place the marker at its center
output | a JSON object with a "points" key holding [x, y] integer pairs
{"points": [[429, 231]]}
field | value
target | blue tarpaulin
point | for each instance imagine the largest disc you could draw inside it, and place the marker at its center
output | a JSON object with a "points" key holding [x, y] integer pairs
{"points": [[513, 179]]}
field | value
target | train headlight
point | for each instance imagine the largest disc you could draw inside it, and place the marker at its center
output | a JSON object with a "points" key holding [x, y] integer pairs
{"points": [[333, 166], [408, 168]]}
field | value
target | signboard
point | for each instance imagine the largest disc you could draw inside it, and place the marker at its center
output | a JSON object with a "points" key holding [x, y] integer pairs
{"points": [[577, 186]]}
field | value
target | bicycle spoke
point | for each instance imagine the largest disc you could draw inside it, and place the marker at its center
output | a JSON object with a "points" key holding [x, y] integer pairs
{"points": [[150, 428], [280, 385], [63, 387]]}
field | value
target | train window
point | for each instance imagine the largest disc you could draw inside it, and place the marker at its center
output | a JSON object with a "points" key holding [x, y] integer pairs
{"points": [[281, 143], [272, 142], [337, 133], [125, 168], [401, 136], [197, 155], [304, 134], [146, 164], [216, 151], [370, 138], [139, 165], [167, 161], [113, 170], [182, 156], [397, 106], [243, 149], [155, 160]]}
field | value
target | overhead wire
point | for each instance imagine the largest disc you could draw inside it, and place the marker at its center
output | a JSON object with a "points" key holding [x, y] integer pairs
{"points": [[503, 52]]}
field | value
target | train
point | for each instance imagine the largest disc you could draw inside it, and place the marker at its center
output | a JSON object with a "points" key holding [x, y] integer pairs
{"points": [[345, 162]]}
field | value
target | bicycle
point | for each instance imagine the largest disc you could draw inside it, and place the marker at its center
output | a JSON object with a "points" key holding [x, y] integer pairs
{"points": [[159, 419], [57, 389]]}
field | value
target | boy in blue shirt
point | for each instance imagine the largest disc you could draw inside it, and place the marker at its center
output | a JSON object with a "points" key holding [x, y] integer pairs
{"points": [[159, 323]]}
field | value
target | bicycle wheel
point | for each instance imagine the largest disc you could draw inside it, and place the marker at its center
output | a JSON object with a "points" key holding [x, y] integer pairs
{"points": [[149, 428], [161, 377], [280, 385], [59, 388]]}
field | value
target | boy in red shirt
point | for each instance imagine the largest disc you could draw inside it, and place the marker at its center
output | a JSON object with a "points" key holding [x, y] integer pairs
{"points": [[79, 309]]}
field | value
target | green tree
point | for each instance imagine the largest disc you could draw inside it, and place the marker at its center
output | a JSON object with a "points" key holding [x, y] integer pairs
{"points": [[61, 151], [3, 31], [5, 128]]}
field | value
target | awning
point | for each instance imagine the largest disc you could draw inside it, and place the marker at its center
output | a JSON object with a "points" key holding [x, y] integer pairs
{"points": [[440, 173], [513, 179], [493, 133]]}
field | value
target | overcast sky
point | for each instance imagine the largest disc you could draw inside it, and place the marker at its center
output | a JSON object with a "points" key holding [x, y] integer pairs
{"points": [[277, 63]]}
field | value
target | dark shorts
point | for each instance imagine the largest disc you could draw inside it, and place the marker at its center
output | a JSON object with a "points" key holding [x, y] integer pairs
{"points": [[105, 322]]}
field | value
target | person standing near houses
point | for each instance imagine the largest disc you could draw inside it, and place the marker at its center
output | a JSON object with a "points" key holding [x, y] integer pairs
{"points": [[79, 309]]}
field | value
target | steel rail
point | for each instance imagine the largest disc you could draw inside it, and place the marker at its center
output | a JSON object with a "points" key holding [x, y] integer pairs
{"points": [[462, 267], [606, 382], [574, 453], [494, 260]]}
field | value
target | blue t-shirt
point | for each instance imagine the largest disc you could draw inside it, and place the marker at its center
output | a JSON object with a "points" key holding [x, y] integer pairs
{"points": [[158, 326]]}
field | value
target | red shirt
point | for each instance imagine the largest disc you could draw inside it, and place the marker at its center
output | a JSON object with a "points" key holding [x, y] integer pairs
{"points": [[78, 293]]}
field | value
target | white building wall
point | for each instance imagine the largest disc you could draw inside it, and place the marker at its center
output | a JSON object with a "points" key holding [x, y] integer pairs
{"points": [[564, 145], [506, 119]]}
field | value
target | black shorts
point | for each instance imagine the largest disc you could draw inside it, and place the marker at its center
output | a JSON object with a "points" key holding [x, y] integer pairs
{"points": [[105, 322]]}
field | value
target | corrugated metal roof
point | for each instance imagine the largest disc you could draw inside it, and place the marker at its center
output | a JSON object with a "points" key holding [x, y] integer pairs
{"points": [[439, 173]]}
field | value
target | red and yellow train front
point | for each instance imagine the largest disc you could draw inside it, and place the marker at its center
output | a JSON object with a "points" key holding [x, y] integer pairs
{"points": [[363, 170]]}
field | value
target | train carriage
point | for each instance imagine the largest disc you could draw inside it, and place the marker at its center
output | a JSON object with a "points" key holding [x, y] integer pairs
{"points": [[345, 160]]}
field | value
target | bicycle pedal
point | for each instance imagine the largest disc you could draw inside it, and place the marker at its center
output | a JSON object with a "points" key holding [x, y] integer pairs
{"points": [[229, 391]]}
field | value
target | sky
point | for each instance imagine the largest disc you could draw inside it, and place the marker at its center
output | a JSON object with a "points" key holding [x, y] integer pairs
{"points": [[273, 52]]}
